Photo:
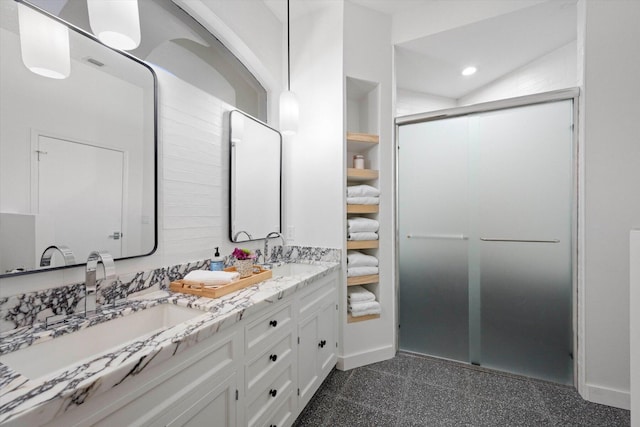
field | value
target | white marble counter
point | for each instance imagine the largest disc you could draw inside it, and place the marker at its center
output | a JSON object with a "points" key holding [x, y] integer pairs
{"points": [[40, 400]]}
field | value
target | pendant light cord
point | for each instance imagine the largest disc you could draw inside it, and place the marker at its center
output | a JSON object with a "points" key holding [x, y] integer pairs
{"points": [[288, 51]]}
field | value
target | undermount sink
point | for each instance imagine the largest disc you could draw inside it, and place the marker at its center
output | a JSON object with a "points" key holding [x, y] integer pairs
{"points": [[84, 345], [296, 269]]}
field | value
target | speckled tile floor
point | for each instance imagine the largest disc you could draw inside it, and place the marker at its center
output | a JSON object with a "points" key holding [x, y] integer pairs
{"points": [[411, 390]]}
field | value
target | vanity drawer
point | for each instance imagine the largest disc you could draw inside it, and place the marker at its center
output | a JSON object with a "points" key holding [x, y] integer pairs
{"points": [[261, 370], [284, 414], [259, 333], [279, 390]]}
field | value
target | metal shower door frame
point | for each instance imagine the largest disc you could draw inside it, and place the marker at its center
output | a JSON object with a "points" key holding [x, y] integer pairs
{"points": [[541, 98]]}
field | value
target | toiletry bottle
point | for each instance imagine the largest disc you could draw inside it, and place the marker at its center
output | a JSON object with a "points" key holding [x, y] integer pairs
{"points": [[217, 263]]}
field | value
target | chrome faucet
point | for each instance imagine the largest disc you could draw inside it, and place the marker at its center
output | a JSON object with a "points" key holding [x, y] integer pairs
{"points": [[67, 254], [235, 236], [91, 287], [266, 244]]}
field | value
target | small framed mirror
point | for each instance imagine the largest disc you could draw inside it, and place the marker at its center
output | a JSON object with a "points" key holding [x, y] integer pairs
{"points": [[256, 178]]}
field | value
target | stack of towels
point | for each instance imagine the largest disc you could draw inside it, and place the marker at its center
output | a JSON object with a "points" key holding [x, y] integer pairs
{"points": [[359, 264], [363, 195], [360, 228], [361, 302], [210, 279]]}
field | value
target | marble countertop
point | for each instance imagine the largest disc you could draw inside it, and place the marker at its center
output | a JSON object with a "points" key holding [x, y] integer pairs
{"points": [[37, 401]]}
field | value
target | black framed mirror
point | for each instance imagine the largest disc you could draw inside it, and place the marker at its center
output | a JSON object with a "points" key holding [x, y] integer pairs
{"points": [[78, 156], [256, 178]]}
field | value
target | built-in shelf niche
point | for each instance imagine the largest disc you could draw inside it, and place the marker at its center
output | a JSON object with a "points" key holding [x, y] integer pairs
{"points": [[363, 100]]}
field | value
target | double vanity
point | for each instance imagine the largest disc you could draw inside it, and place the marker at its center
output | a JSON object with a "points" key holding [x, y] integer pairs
{"points": [[253, 357]]}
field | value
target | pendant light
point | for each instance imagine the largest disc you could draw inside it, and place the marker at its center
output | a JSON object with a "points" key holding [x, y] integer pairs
{"points": [[44, 44], [288, 100], [115, 23]]}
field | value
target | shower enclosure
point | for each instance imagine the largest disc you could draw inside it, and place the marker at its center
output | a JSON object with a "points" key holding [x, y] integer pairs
{"points": [[485, 208]]}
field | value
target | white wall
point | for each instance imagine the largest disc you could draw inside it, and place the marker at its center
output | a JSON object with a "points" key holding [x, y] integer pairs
{"points": [[368, 56], [413, 102], [430, 17], [610, 135], [314, 157], [252, 33], [553, 71]]}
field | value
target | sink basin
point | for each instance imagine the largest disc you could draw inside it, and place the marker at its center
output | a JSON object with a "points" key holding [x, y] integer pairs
{"points": [[77, 347], [294, 269]]}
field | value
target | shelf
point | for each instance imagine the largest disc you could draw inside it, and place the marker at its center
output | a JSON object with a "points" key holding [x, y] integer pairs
{"points": [[362, 244], [361, 142], [361, 174], [363, 280], [351, 319], [363, 137], [361, 209]]}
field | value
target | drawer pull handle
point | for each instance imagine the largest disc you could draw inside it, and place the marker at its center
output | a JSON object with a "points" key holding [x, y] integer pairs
{"points": [[322, 343], [273, 323], [273, 357], [273, 392]]}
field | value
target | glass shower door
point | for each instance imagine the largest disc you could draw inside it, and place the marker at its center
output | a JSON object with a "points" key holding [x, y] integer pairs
{"points": [[484, 211], [524, 187], [433, 238]]}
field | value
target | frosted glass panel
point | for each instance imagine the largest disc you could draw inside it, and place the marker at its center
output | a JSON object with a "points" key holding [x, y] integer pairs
{"points": [[484, 210], [433, 204], [524, 193]]}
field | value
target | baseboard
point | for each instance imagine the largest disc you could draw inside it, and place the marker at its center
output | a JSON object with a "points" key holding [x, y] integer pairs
{"points": [[351, 361], [607, 396]]}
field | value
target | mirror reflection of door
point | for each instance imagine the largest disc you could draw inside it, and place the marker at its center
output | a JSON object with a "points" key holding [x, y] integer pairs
{"points": [[80, 169]]}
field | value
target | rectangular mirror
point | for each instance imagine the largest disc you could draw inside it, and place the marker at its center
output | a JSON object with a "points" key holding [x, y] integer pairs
{"points": [[256, 178], [77, 155]]}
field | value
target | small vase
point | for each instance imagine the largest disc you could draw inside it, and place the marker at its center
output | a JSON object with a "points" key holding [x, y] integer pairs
{"points": [[244, 267]]}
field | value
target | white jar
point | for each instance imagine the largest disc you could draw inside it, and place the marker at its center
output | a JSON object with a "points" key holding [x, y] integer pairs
{"points": [[358, 161]]}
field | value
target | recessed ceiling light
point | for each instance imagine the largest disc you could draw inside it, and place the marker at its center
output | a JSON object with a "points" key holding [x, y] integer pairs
{"points": [[469, 71]]}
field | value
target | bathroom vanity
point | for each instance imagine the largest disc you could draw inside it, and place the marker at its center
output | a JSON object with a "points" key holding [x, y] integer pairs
{"points": [[254, 357]]}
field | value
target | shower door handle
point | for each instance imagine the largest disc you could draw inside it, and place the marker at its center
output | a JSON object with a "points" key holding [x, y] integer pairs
{"points": [[438, 236], [493, 239]]}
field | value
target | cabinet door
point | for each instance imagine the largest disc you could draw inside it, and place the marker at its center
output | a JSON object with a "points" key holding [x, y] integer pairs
{"points": [[216, 408], [307, 358], [326, 337]]}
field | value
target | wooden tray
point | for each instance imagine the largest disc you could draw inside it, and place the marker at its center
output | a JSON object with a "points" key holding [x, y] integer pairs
{"points": [[202, 291]]}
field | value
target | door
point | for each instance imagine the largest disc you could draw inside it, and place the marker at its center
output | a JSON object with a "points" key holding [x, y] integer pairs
{"points": [[79, 169], [485, 207]]}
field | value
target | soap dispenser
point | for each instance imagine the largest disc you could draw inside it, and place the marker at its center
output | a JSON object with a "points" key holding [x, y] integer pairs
{"points": [[217, 263]]}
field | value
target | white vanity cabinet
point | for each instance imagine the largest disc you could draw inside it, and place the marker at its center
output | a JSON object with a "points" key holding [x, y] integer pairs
{"points": [[317, 332], [188, 388], [261, 372]]}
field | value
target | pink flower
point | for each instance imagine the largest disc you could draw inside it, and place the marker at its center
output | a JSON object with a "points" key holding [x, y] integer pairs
{"points": [[242, 254]]}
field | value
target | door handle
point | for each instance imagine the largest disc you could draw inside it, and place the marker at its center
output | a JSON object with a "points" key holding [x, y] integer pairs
{"points": [[116, 235], [438, 236]]}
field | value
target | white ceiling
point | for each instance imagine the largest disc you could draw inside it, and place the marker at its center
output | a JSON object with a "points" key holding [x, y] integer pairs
{"points": [[496, 46]]}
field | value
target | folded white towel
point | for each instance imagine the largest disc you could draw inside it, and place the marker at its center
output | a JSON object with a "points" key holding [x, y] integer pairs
{"points": [[364, 309], [362, 191], [361, 271], [363, 200], [210, 278], [359, 294], [358, 259], [357, 224], [363, 235]]}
